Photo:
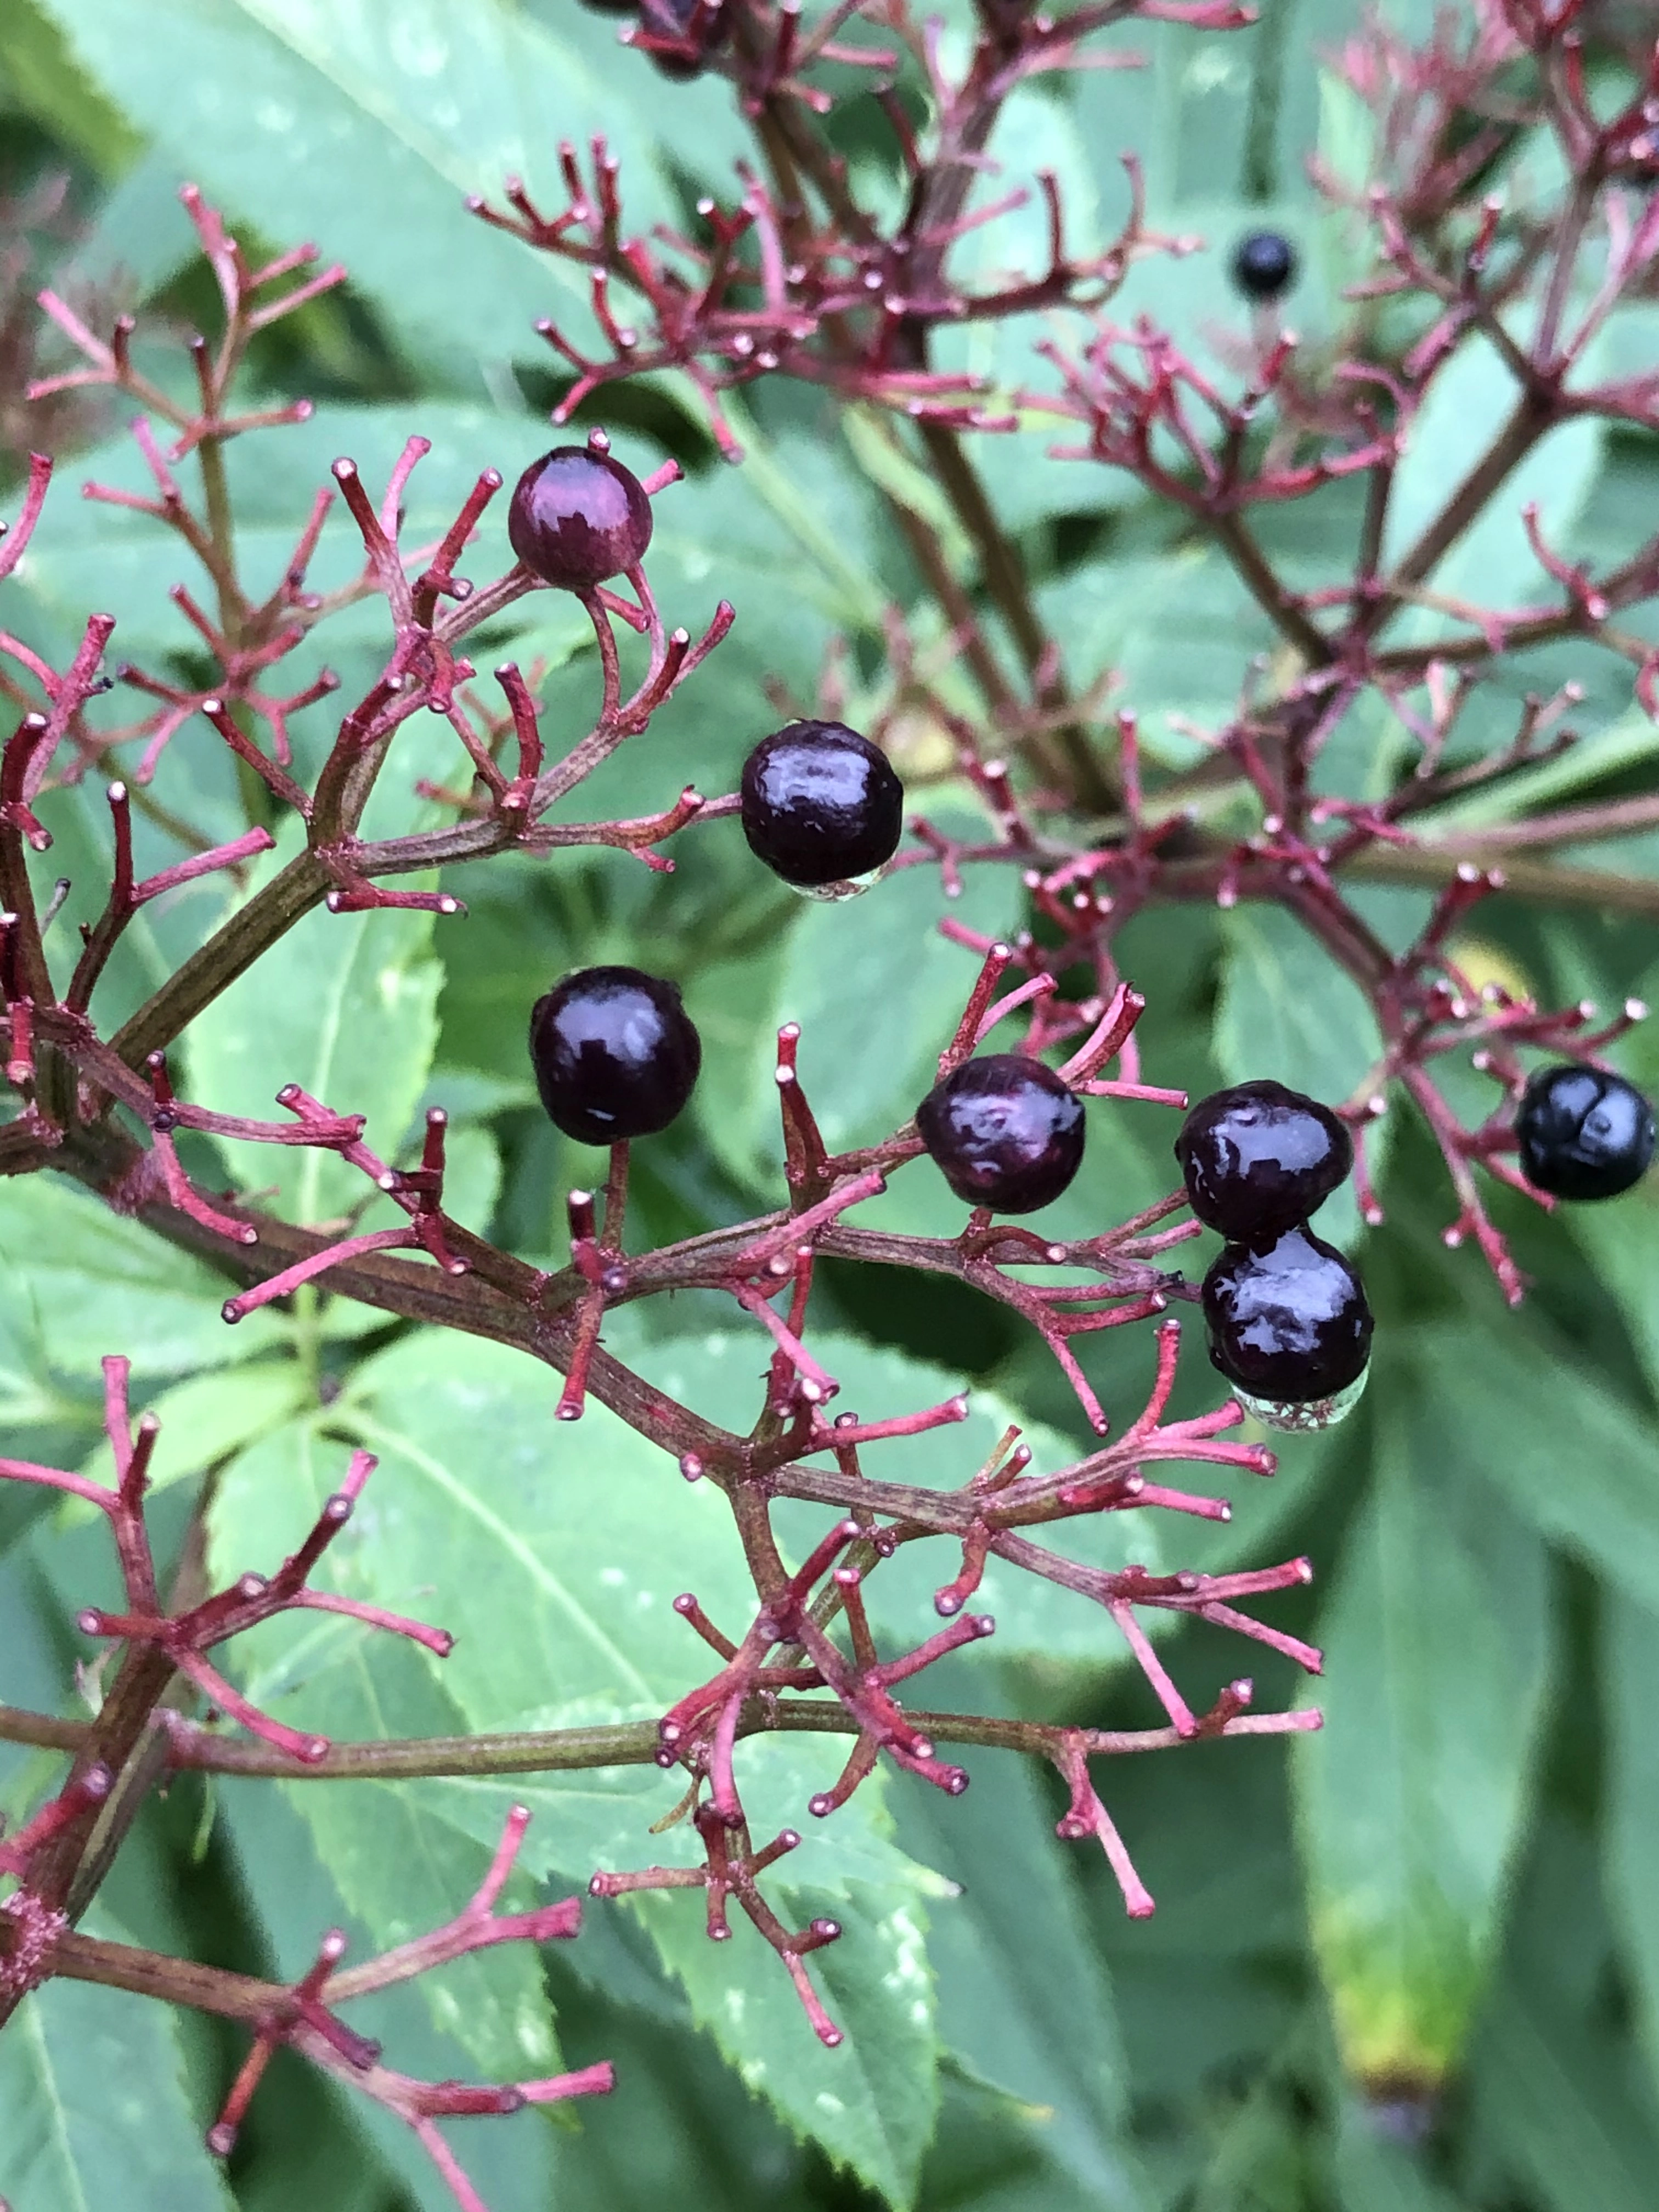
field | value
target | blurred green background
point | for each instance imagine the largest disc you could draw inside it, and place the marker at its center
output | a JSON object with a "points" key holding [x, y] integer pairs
{"points": [[1410, 1963]]}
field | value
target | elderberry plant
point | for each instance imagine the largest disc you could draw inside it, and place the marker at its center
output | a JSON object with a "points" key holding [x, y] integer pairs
{"points": [[1180, 601]]}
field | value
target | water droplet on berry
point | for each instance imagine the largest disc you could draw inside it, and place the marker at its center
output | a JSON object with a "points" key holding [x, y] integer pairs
{"points": [[822, 807]]}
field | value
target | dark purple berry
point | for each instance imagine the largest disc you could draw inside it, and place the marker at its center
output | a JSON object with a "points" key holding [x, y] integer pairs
{"points": [[1288, 1325], [1259, 1159], [699, 35], [615, 1054], [609, 7], [579, 518], [1004, 1131], [821, 805], [1264, 264], [1584, 1134]]}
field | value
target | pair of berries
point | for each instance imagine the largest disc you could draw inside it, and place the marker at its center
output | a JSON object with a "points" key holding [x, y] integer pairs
{"points": [[615, 1053], [821, 805], [1288, 1324]]}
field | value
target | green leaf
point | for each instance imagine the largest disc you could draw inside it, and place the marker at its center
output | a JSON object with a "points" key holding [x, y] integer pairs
{"points": [[721, 1376], [1286, 1010], [1630, 1656], [77, 1281], [401, 1866], [871, 2102], [1439, 1644], [878, 993], [1559, 1442], [286, 1871], [345, 1005], [1492, 562], [554, 1590], [96, 2114], [1024, 1997], [364, 123], [212, 1415], [87, 553], [37, 72]]}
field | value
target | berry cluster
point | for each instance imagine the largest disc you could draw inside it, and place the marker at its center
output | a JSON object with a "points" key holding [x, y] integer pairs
{"points": [[616, 1056]]}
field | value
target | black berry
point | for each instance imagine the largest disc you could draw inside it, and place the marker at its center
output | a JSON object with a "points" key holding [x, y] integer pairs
{"points": [[1004, 1131], [1259, 1159], [1584, 1134], [821, 805], [1288, 1325], [678, 20], [1264, 264], [579, 518], [615, 1054], [609, 7]]}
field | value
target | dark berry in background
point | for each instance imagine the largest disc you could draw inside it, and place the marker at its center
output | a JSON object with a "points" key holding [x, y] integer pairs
{"points": [[821, 805], [673, 19], [1259, 1159], [615, 1054], [1005, 1132], [1289, 1324], [1584, 1134], [1264, 264], [578, 518], [609, 7]]}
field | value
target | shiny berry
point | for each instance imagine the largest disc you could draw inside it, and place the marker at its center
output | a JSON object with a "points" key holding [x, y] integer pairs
{"points": [[1584, 1134], [1264, 264], [579, 518], [1289, 1325], [615, 1054], [1004, 1131], [821, 805], [1259, 1159]]}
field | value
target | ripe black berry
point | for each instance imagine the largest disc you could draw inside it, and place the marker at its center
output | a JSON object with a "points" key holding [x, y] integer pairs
{"points": [[1584, 1134], [821, 805], [1288, 1327], [615, 1054], [579, 518], [1259, 1159], [1004, 1131], [1264, 264]]}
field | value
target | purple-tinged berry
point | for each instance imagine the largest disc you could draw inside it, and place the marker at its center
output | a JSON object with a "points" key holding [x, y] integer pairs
{"points": [[1264, 264], [821, 805], [1584, 1133], [578, 518], [699, 26], [1259, 1159], [1290, 1329], [1005, 1132], [615, 1054]]}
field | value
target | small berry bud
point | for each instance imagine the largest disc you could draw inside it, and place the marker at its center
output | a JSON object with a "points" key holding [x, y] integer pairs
{"points": [[1264, 264]]}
